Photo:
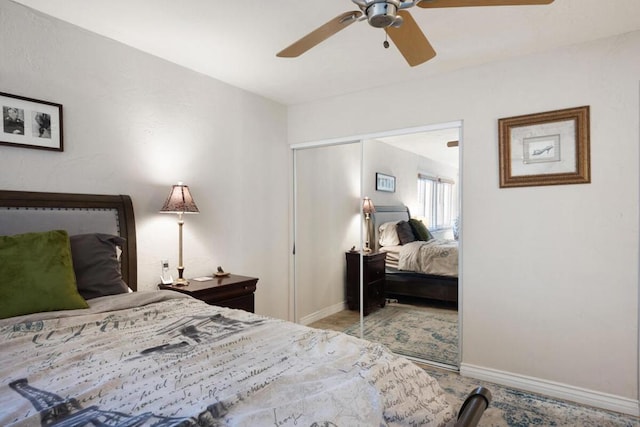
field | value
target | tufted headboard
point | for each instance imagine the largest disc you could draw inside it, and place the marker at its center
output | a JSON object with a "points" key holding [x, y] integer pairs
{"points": [[27, 211]]}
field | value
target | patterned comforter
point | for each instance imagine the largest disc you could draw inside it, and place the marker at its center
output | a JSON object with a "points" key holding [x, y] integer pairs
{"points": [[165, 359], [435, 256]]}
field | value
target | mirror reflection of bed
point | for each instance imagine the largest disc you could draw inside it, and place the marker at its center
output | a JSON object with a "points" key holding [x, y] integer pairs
{"points": [[415, 268], [419, 318], [421, 286]]}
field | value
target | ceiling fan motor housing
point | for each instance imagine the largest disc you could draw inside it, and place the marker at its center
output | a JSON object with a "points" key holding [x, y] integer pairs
{"points": [[382, 15]]}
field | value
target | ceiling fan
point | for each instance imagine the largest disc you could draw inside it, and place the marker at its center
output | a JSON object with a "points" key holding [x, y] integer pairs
{"points": [[396, 21]]}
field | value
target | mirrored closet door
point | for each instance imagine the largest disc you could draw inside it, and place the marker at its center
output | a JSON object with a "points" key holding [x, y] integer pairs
{"points": [[417, 214], [331, 184], [327, 225]]}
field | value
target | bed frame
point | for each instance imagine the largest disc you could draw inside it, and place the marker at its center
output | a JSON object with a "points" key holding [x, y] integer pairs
{"points": [[407, 284], [27, 211]]}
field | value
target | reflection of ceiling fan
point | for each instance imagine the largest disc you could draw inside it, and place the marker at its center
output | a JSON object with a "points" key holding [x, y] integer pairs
{"points": [[398, 23]]}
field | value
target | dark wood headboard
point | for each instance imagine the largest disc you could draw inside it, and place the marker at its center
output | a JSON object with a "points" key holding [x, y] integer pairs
{"points": [[13, 202]]}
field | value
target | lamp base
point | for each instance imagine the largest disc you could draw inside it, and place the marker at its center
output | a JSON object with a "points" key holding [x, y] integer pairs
{"points": [[180, 282]]}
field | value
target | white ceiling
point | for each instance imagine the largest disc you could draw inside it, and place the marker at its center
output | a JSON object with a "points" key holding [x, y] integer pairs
{"points": [[236, 42]]}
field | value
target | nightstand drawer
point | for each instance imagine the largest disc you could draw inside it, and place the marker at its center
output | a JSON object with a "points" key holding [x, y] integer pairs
{"points": [[245, 303], [374, 270], [229, 291], [223, 293]]}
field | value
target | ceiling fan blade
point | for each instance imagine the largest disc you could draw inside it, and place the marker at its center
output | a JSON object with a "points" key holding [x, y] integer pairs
{"points": [[411, 41], [466, 3], [320, 34]]}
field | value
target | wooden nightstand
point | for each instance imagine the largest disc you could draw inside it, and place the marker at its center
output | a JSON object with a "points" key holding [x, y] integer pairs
{"points": [[229, 291], [373, 281]]}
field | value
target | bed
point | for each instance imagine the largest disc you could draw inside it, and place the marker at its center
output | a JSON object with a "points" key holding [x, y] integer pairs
{"points": [[420, 269], [162, 358]]}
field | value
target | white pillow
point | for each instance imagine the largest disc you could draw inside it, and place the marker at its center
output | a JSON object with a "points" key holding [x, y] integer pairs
{"points": [[388, 236]]}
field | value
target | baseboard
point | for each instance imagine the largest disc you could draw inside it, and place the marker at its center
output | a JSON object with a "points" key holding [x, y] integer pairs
{"points": [[328, 311], [552, 389]]}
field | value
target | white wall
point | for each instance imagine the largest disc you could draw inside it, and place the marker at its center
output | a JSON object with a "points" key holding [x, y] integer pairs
{"points": [[549, 274], [135, 124]]}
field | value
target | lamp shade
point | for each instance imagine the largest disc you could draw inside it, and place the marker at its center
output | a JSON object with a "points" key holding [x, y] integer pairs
{"points": [[367, 206], [180, 201]]}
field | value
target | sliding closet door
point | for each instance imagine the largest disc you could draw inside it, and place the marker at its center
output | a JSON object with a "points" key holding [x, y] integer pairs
{"points": [[408, 325], [327, 224], [330, 182]]}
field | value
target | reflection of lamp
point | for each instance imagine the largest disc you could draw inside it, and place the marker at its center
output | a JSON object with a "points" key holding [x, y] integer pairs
{"points": [[180, 202], [368, 209]]}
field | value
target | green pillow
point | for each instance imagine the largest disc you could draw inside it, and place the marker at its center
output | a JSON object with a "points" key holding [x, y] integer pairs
{"points": [[37, 274], [420, 230]]}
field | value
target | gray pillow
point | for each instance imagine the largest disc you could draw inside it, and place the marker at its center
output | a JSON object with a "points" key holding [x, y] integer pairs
{"points": [[96, 264], [405, 232]]}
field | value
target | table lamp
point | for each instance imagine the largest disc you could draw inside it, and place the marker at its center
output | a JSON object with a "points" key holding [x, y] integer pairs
{"points": [[181, 202], [368, 208]]}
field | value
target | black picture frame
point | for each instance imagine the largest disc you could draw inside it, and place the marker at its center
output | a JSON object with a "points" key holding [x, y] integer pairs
{"points": [[30, 123]]}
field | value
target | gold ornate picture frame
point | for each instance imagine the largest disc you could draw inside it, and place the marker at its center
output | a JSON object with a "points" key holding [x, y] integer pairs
{"points": [[549, 148]]}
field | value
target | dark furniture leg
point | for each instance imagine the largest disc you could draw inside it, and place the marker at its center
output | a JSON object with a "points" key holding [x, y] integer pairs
{"points": [[473, 407]]}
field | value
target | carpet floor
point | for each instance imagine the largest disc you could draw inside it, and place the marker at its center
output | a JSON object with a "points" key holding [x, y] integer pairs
{"points": [[514, 408], [425, 333], [432, 334]]}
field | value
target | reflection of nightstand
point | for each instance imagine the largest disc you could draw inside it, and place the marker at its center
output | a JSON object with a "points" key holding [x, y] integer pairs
{"points": [[373, 281], [229, 291]]}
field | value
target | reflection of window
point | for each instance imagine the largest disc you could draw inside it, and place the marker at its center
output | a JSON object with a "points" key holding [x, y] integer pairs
{"points": [[435, 201]]}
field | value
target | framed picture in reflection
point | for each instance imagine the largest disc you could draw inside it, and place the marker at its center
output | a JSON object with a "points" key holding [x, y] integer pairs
{"points": [[385, 182]]}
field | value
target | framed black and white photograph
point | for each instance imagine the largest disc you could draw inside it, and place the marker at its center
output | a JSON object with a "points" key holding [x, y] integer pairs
{"points": [[30, 123], [385, 182], [547, 148]]}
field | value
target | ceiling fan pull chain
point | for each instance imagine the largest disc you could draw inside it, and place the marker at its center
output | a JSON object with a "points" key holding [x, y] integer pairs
{"points": [[385, 43]]}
